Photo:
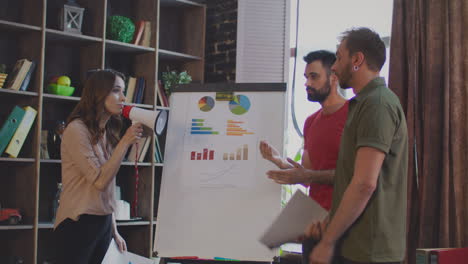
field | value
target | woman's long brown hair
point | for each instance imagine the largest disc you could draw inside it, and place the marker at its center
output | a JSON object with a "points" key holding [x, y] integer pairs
{"points": [[91, 108]]}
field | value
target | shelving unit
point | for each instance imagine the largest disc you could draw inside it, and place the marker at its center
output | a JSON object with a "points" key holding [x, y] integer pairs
{"points": [[30, 30]]}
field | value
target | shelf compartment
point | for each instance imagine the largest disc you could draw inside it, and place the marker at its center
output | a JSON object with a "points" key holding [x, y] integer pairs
{"points": [[92, 24], [17, 242], [28, 12], [16, 182]]}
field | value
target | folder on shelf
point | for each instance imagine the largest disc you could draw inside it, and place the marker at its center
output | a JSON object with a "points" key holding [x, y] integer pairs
{"points": [[139, 27], [10, 126], [21, 133]]}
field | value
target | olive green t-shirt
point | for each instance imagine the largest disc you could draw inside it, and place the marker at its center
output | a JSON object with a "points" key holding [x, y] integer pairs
{"points": [[375, 119]]}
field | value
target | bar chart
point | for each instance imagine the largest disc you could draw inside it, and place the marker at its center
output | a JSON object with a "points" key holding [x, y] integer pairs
{"points": [[234, 128], [199, 127], [241, 153], [205, 154]]}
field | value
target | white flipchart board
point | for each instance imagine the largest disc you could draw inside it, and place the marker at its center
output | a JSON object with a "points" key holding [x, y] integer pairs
{"points": [[215, 199]]}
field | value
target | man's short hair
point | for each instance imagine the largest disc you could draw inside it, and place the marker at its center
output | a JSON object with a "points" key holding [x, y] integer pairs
{"points": [[326, 57], [369, 43]]}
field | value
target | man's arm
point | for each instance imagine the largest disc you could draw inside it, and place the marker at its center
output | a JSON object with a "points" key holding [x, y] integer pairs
{"points": [[301, 174], [366, 172]]}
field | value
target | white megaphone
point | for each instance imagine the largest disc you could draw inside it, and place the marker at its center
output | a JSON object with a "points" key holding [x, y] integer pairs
{"points": [[155, 120]]}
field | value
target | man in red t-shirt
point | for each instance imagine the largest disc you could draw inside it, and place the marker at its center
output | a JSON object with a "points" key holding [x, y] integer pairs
{"points": [[322, 134]]}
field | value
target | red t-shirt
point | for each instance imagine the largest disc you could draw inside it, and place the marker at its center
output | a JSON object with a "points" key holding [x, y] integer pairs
{"points": [[322, 136]]}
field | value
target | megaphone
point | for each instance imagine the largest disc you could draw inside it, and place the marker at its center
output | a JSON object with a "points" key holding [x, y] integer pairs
{"points": [[155, 120]]}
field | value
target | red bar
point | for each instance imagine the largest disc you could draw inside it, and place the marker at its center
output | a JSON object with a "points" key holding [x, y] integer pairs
{"points": [[192, 155], [205, 154], [198, 156], [211, 154]]}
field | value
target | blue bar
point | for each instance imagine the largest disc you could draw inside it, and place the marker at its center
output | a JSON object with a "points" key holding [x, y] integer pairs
{"points": [[204, 132]]}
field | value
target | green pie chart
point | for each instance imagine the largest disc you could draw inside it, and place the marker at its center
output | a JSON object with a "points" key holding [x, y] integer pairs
{"points": [[240, 105]]}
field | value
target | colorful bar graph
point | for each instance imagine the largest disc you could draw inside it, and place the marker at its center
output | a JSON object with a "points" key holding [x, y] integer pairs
{"points": [[205, 154], [241, 153], [234, 129], [198, 127]]}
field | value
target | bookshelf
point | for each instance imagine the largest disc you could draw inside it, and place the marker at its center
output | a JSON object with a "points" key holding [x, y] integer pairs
{"points": [[30, 30]]}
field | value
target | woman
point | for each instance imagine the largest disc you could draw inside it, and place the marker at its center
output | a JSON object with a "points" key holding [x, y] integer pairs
{"points": [[91, 153]]}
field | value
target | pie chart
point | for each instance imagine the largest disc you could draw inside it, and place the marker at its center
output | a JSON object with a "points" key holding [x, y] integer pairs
{"points": [[206, 103], [240, 105]]}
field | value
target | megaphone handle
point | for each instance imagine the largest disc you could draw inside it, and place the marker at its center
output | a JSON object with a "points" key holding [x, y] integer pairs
{"points": [[135, 198]]}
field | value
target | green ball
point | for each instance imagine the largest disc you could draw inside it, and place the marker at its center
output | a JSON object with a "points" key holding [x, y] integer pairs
{"points": [[120, 28]]}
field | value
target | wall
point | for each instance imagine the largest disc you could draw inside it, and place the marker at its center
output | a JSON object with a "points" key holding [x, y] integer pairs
{"points": [[221, 41]]}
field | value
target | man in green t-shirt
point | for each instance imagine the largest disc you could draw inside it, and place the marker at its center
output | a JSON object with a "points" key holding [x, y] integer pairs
{"points": [[368, 215]]}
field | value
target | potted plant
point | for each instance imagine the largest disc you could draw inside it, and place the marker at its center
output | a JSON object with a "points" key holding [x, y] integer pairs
{"points": [[171, 78], [3, 74]]}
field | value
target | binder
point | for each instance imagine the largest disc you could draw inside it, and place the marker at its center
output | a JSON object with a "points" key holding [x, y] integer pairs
{"points": [[10, 126], [21, 133]]}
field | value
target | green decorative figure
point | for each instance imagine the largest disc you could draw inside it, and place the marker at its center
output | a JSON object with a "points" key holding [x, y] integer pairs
{"points": [[120, 28]]}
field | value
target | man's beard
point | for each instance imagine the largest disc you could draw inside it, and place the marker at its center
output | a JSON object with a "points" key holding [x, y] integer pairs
{"points": [[345, 77], [319, 95]]}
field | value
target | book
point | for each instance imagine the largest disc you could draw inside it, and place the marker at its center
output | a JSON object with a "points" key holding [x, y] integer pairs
{"points": [[27, 78], [160, 158], [3, 77], [146, 39], [44, 150], [139, 27], [144, 149], [21, 133], [17, 75], [130, 89], [162, 94], [140, 90], [9, 127]]}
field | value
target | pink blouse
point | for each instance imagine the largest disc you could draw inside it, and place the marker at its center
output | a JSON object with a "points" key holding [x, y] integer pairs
{"points": [[81, 166]]}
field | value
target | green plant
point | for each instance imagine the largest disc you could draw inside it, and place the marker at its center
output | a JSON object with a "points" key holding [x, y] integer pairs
{"points": [[120, 28], [2, 68], [171, 78]]}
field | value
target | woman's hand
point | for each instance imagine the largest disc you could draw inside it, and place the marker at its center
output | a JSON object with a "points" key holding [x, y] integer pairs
{"points": [[133, 134], [120, 242]]}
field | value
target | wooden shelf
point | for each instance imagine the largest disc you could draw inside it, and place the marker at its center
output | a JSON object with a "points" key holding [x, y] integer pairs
{"points": [[176, 56], [131, 163], [51, 161], [177, 35], [45, 225], [16, 27], [21, 93], [19, 160], [136, 223], [53, 35], [60, 97], [179, 3], [117, 46], [16, 227]]}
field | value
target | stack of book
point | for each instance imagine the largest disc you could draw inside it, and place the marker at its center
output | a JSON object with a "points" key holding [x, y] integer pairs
{"points": [[135, 90], [138, 150], [20, 76], [142, 34], [15, 130]]}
